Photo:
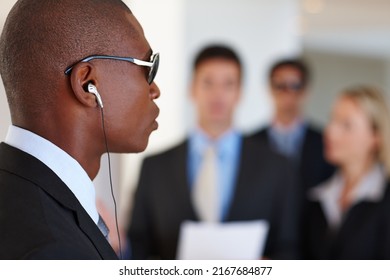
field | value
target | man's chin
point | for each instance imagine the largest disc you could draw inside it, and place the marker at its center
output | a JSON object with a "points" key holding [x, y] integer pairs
{"points": [[139, 147], [131, 148]]}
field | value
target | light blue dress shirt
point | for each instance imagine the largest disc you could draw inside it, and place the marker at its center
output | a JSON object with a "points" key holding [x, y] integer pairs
{"points": [[228, 149], [288, 143]]}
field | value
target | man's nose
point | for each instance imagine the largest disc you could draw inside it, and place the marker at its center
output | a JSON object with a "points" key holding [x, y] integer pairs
{"points": [[154, 91]]}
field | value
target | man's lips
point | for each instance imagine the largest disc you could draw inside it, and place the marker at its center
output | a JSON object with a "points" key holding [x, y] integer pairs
{"points": [[155, 123]]}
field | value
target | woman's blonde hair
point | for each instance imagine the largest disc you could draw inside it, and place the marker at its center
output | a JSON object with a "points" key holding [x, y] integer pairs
{"points": [[374, 104]]}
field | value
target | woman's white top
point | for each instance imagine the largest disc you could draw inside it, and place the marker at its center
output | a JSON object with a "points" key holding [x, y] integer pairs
{"points": [[371, 187]]}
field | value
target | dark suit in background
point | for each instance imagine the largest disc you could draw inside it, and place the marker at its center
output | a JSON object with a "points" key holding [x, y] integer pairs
{"points": [[264, 190], [364, 233], [44, 220], [312, 168]]}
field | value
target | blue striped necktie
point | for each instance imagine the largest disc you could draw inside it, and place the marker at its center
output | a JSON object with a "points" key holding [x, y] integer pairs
{"points": [[103, 227]]}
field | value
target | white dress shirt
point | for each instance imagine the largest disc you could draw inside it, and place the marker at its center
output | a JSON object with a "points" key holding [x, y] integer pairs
{"points": [[61, 163], [370, 188]]}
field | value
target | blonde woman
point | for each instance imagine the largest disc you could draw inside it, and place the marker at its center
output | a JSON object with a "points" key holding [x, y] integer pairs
{"points": [[348, 216]]}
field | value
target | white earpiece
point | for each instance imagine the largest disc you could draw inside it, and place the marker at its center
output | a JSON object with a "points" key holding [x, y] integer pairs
{"points": [[92, 89]]}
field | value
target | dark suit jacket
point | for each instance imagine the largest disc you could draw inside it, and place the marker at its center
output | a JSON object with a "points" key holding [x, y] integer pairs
{"points": [[312, 169], [264, 190], [40, 218], [364, 234]]}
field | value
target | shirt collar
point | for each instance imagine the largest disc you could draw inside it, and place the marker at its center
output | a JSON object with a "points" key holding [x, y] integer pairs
{"points": [[371, 188], [61, 163], [225, 144], [295, 127]]}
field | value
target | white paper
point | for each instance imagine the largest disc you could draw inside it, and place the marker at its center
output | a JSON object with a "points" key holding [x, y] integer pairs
{"points": [[222, 241]]}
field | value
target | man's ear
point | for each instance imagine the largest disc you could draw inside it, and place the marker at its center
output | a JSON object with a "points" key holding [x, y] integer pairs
{"points": [[82, 74]]}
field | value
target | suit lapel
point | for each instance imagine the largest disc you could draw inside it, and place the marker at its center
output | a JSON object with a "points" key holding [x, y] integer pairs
{"points": [[306, 151], [263, 136], [95, 236], [181, 184], [30, 168]]}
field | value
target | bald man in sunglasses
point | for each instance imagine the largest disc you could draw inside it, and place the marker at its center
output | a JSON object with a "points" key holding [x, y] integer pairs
{"points": [[79, 83]]}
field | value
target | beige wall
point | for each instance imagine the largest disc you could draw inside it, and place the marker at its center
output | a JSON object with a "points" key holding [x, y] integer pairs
{"points": [[332, 72]]}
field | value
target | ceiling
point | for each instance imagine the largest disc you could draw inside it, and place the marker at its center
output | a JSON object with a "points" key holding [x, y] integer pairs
{"points": [[358, 26], [352, 26]]}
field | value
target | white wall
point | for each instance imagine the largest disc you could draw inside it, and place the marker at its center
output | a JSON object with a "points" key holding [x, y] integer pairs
{"points": [[5, 119], [332, 72], [260, 30], [387, 76], [163, 26]]}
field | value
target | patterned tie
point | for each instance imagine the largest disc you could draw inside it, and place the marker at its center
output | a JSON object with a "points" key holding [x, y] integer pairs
{"points": [[103, 227], [205, 195]]}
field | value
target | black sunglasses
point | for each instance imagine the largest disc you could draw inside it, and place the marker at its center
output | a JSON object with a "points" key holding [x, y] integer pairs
{"points": [[152, 64], [286, 87]]}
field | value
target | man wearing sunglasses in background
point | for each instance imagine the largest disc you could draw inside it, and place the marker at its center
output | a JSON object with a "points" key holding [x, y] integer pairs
{"points": [[290, 134], [61, 64]]}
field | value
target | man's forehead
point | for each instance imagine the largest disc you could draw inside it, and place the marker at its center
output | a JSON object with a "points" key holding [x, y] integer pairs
{"points": [[134, 23], [139, 44]]}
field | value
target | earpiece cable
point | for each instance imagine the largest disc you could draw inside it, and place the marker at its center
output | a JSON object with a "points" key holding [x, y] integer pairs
{"points": [[112, 190]]}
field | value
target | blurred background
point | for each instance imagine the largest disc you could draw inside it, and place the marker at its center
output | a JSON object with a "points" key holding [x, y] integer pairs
{"points": [[345, 42]]}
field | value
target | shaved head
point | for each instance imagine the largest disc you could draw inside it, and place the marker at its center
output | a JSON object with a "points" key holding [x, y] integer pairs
{"points": [[42, 37]]}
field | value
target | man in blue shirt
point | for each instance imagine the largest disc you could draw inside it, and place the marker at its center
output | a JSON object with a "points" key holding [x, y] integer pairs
{"points": [[290, 133], [216, 175]]}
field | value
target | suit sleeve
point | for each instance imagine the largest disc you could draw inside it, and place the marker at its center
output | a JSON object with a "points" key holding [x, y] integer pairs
{"points": [[383, 240], [58, 251], [140, 232]]}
